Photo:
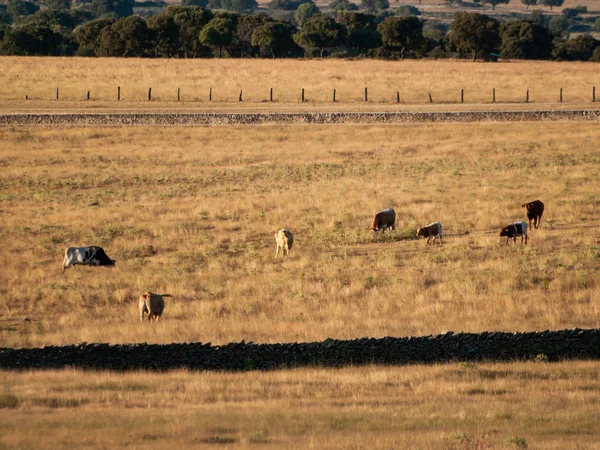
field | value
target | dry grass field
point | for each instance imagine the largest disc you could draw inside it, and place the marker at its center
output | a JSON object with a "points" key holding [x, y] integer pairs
{"points": [[38, 78], [464, 406], [192, 212]]}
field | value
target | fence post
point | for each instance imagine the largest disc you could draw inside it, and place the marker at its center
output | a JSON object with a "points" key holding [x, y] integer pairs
{"points": [[561, 95], [210, 95], [366, 94], [149, 94], [302, 95], [56, 93], [397, 97], [334, 96], [241, 98], [527, 96], [178, 94], [271, 94], [462, 95], [593, 93], [118, 92], [430, 99], [494, 95], [88, 95]]}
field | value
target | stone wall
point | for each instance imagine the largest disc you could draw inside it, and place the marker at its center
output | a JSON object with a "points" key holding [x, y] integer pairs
{"points": [[448, 347], [199, 119]]}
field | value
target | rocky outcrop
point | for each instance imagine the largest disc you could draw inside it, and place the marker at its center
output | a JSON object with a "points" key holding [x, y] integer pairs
{"points": [[448, 347], [205, 119]]}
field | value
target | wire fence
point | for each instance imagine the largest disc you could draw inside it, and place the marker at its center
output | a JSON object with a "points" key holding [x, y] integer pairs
{"points": [[344, 95]]}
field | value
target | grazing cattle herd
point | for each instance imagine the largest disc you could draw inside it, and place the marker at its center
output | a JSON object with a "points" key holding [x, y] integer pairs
{"points": [[152, 305]]}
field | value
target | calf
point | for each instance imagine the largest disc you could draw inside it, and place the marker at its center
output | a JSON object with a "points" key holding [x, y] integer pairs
{"points": [[535, 209], [514, 230], [384, 219], [284, 239], [87, 256], [433, 230], [152, 306]]}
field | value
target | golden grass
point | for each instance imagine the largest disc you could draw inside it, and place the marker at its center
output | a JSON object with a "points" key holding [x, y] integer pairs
{"points": [[192, 211], [464, 406], [38, 78]]}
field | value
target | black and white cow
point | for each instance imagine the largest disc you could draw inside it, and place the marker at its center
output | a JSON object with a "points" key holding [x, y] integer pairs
{"points": [[433, 230], [89, 256], [515, 230]]}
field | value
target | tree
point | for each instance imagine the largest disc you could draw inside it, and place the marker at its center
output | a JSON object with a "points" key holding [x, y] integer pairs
{"points": [[596, 55], [495, 2], [375, 5], [522, 39], [203, 3], [87, 36], [475, 33], [551, 3], [304, 12], [320, 32], [343, 5], [240, 6], [362, 30], [21, 8], [121, 8], [31, 40], [597, 24], [273, 37], [64, 5], [529, 3], [165, 34], [287, 5], [246, 26], [580, 48], [407, 10], [558, 26], [218, 33], [403, 33], [128, 36], [190, 20]]}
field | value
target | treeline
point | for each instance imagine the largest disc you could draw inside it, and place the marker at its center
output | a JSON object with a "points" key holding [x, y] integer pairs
{"points": [[109, 28]]}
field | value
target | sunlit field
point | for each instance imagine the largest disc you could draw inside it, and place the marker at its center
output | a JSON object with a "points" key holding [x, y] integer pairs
{"points": [[38, 78], [454, 406], [192, 212]]}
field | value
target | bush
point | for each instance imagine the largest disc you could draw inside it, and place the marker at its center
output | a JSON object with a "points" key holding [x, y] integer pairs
{"points": [[407, 10]]}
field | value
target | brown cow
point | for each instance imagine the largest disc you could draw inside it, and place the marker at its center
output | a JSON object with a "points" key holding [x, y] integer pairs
{"points": [[152, 306], [433, 230], [384, 219], [535, 209], [284, 239]]}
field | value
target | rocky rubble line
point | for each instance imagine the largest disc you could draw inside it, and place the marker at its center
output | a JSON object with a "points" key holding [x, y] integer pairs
{"points": [[442, 348], [204, 119]]}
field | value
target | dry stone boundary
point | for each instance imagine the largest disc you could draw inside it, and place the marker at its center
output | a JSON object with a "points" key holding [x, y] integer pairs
{"points": [[207, 119], [442, 348]]}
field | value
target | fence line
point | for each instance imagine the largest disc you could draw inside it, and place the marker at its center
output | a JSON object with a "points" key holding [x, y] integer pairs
{"points": [[318, 96]]}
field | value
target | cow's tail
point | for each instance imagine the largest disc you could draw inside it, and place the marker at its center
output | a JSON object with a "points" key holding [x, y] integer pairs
{"points": [[166, 295]]}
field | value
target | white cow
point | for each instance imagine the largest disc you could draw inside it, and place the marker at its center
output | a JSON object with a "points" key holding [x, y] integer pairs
{"points": [[284, 239]]}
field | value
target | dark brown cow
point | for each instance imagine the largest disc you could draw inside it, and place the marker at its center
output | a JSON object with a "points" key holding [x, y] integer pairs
{"points": [[384, 219], [514, 230], [433, 230], [535, 209]]}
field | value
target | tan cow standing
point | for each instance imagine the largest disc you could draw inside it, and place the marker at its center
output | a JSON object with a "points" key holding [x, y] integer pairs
{"points": [[152, 306], [284, 239]]}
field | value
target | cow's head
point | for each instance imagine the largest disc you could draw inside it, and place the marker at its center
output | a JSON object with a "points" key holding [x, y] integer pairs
{"points": [[505, 231], [526, 205], [419, 232]]}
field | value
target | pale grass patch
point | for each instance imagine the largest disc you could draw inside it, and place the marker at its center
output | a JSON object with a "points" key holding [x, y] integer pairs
{"points": [[440, 406]]}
